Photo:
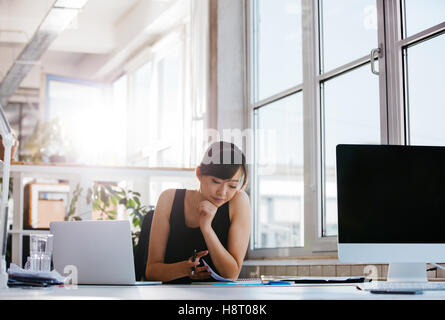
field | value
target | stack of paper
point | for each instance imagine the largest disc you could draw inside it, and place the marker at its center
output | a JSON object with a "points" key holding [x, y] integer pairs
{"points": [[23, 277]]}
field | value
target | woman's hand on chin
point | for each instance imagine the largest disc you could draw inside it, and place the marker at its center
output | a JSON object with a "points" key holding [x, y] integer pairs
{"points": [[207, 211]]}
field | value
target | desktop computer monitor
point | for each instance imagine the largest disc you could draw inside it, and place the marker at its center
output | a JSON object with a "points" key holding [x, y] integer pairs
{"points": [[391, 207]]}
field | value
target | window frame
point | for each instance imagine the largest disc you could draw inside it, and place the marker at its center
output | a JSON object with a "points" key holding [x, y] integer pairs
{"points": [[396, 45], [308, 130], [315, 244]]}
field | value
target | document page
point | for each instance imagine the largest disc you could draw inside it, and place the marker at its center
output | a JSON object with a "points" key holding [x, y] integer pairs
{"points": [[214, 275]]}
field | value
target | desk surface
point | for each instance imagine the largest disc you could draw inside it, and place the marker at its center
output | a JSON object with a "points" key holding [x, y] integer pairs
{"points": [[208, 292]]}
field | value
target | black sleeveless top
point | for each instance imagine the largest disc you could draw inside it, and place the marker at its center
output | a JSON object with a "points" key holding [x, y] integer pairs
{"points": [[183, 240]]}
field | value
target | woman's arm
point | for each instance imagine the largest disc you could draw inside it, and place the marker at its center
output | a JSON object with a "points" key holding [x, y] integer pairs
{"points": [[160, 229], [229, 262]]}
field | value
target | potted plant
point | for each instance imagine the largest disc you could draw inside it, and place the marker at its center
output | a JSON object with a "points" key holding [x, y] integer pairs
{"points": [[136, 211], [105, 200]]}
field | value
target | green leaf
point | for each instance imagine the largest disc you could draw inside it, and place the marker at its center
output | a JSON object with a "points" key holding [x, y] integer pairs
{"points": [[121, 193], [110, 215], [130, 203]]}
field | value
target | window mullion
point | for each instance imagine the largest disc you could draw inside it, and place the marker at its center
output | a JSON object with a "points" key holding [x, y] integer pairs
{"points": [[278, 96], [381, 36], [394, 72], [312, 132]]}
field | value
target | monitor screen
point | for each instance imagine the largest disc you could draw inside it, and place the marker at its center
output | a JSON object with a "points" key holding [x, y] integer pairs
{"points": [[391, 194]]}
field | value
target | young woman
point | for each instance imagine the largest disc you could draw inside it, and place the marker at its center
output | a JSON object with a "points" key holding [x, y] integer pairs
{"points": [[214, 221]]}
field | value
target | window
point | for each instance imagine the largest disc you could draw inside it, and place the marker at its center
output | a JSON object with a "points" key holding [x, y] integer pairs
{"points": [[347, 118], [279, 179], [356, 71], [339, 85], [171, 107], [278, 46], [74, 102], [137, 106], [119, 101], [423, 48], [165, 123], [348, 31], [139, 123], [277, 106], [349, 92], [421, 15]]}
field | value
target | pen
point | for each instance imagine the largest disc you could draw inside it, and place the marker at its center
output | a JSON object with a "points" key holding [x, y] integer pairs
{"points": [[394, 292], [193, 260]]}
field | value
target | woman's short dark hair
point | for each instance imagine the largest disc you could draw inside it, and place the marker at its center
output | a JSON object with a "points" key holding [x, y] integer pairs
{"points": [[223, 160]]}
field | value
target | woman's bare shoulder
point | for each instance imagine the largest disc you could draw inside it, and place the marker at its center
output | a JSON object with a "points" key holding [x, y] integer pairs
{"points": [[168, 194], [239, 204], [165, 201], [241, 197]]}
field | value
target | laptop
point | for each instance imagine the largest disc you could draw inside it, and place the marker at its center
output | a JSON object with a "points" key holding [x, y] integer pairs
{"points": [[101, 251]]}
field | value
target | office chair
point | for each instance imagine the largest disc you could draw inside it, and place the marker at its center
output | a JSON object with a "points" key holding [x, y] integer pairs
{"points": [[141, 254]]}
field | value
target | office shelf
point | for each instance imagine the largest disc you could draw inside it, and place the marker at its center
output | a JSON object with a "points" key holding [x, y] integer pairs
{"points": [[27, 232], [139, 179]]}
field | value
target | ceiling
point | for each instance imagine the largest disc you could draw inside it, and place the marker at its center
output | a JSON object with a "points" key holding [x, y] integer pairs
{"points": [[100, 30], [100, 39]]}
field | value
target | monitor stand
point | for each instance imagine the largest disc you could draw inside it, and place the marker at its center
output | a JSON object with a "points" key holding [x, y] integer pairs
{"points": [[407, 272]]}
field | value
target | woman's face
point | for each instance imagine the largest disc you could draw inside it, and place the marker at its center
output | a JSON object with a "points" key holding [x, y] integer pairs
{"points": [[219, 191]]}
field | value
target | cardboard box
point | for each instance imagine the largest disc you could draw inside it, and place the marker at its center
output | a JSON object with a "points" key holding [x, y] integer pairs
{"points": [[51, 197], [48, 211]]}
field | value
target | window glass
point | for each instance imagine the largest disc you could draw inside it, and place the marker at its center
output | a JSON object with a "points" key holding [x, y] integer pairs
{"points": [[349, 31], [77, 103], [120, 102], [280, 180], [423, 14], [139, 131], [170, 110], [278, 46], [426, 98], [351, 115], [141, 103]]}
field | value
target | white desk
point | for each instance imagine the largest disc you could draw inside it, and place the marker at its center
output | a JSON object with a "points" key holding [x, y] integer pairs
{"points": [[209, 292]]}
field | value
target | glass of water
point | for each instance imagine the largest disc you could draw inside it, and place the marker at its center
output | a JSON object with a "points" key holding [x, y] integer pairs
{"points": [[41, 247]]}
